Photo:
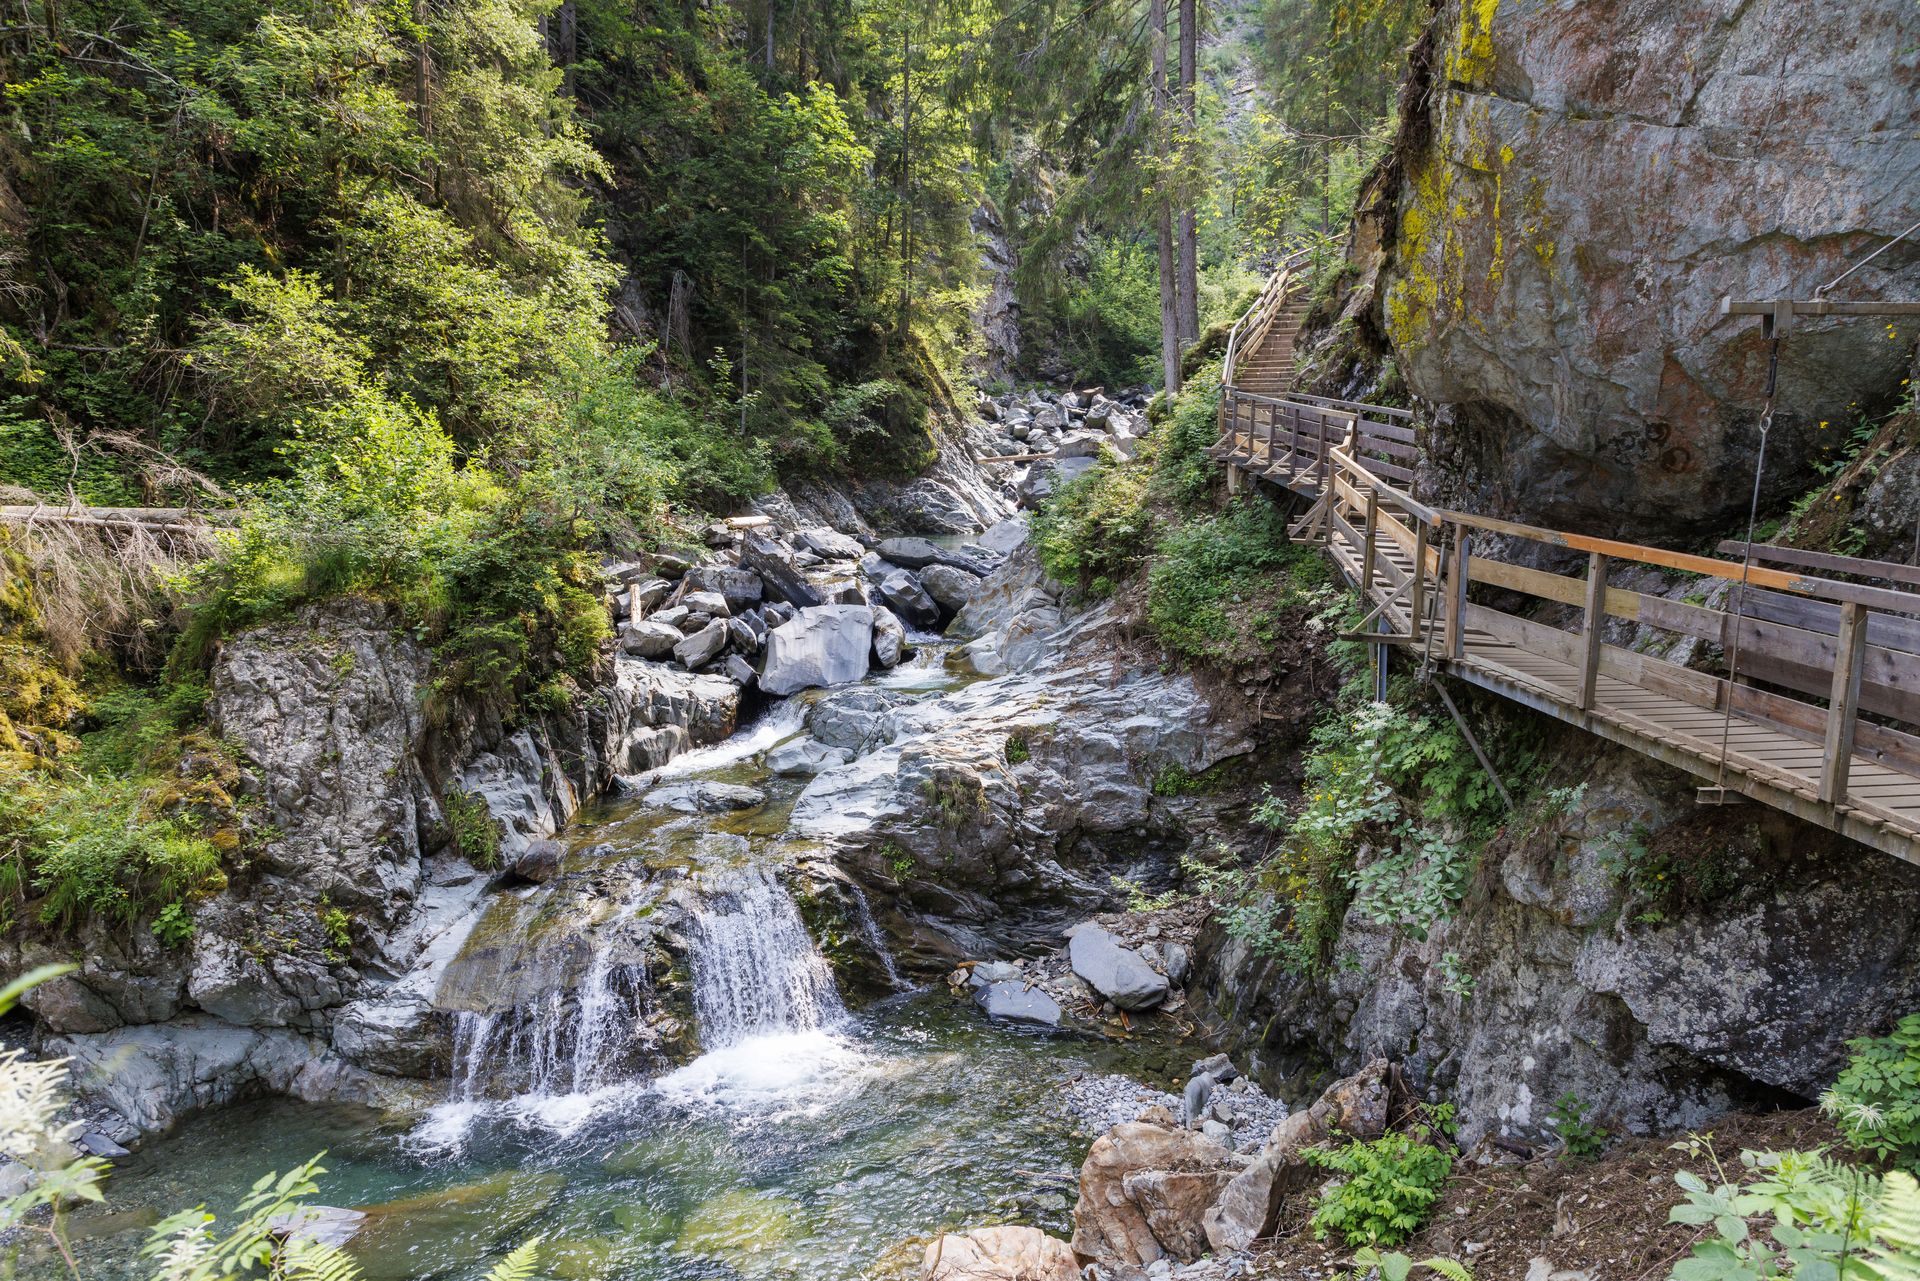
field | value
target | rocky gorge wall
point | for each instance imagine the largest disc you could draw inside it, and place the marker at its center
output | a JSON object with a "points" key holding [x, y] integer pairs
{"points": [[1663, 961], [1574, 189]]}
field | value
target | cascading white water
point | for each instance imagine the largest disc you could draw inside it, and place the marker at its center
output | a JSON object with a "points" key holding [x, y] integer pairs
{"points": [[870, 931], [755, 968]]}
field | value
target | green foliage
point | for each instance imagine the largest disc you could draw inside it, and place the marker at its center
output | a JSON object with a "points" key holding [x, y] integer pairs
{"points": [[1876, 1100], [172, 926], [1798, 1214], [1222, 588], [473, 829], [1580, 1134], [898, 861], [1018, 750], [1107, 323], [1394, 1266], [1092, 532], [1390, 1187], [339, 929], [1138, 900], [1183, 475], [956, 796], [1456, 979]]}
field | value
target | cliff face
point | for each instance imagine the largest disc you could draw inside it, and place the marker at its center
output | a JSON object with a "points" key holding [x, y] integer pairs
{"points": [[1661, 960], [1575, 188]]}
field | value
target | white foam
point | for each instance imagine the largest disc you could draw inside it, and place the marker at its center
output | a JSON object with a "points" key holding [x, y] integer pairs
{"points": [[777, 1074]]}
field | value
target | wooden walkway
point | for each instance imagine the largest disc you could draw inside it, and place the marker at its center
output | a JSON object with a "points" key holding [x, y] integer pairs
{"points": [[1797, 687]]}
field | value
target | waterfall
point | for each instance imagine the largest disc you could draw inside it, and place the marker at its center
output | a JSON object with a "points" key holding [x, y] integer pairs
{"points": [[755, 968], [870, 931]]}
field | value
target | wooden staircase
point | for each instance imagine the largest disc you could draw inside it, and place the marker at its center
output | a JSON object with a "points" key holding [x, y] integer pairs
{"points": [[1267, 370]]}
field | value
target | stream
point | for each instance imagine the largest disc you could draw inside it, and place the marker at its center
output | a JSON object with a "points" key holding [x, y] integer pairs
{"points": [[814, 1137]]}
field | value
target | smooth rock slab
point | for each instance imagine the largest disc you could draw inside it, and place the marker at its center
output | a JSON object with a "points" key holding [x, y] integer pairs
{"points": [[1115, 972], [804, 757], [704, 797], [822, 645], [1014, 1001]]}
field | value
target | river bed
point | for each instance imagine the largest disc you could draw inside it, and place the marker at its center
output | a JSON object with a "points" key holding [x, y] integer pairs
{"points": [[809, 1142]]}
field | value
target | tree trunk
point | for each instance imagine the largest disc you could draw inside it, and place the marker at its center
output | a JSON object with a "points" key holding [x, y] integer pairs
{"points": [[1169, 312], [1188, 285], [906, 178]]}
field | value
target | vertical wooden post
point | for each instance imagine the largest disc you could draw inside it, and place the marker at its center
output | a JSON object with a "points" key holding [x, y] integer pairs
{"points": [[1843, 711], [1457, 595], [1372, 541], [1419, 593], [1596, 628], [1233, 479]]}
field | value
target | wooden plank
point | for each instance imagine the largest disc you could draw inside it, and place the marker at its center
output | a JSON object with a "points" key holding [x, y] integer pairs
{"points": [[1419, 592], [1367, 555], [1889, 631], [1596, 624], [1892, 571], [1781, 580], [1843, 707], [1457, 592]]}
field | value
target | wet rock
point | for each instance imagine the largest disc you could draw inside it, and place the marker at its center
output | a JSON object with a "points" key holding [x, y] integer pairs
{"points": [[910, 600], [650, 639], [322, 1224], [999, 1254], [539, 862], [805, 757], [824, 645], [1178, 964], [952, 588], [853, 719], [889, 638], [155, 1074], [1144, 1189], [1115, 972], [703, 646], [1016, 1002], [702, 796]]}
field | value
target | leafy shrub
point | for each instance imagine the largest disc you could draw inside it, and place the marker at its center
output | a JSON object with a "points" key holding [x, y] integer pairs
{"points": [[1108, 323], [1798, 1214], [1220, 588], [474, 832], [1876, 1100], [1390, 1187], [1579, 1133], [1183, 475], [1394, 1266], [1095, 528], [1018, 750]]}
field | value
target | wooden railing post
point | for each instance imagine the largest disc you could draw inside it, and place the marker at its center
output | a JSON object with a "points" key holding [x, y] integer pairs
{"points": [[1596, 628], [1372, 541], [1457, 594], [1419, 591], [1843, 709]]}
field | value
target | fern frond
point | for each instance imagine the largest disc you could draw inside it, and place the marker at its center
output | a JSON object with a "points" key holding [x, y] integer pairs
{"points": [[517, 1266], [1451, 1269], [304, 1259]]}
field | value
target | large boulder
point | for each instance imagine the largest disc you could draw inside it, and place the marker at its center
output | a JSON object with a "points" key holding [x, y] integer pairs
{"points": [[1144, 1189], [951, 587], [1005, 537], [703, 646], [1014, 1001], [740, 588], [918, 553], [910, 600], [822, 645], [889, 637], [830, 544], [1249, 1205], [1582, 186], [1116, 972], [999, 1254], [780, 578], [649, 639]]}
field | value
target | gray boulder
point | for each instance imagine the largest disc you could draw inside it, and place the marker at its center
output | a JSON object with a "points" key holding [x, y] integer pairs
{"points": [[738, 670], [918, 553], [780, 578], [1015, 1002], [703, 646], [889, 637], [902, 590], [739, 587], [712, 604], [743, 637], [1004, 538], [822, 645], [651, 639], [1115, 972], [804, 757], [951, 587], [830, 544], [854, 718], [539, 862], [643, 597], [1080, 444]]}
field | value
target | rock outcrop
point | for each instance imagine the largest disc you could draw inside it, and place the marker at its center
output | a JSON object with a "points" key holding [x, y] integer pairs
{"points": [[1143, 1191], [998, 1254], [1665, 962], [1576, 191]]}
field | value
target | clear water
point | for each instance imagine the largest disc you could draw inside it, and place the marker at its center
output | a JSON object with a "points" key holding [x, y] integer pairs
{"points": [[807, 1144]]}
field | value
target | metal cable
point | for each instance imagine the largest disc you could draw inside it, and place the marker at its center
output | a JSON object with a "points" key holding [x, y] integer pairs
{"points": [[1746, 561]]}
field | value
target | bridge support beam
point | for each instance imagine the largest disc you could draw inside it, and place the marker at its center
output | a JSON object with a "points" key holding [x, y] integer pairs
{"points": [[1843, 708]]}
